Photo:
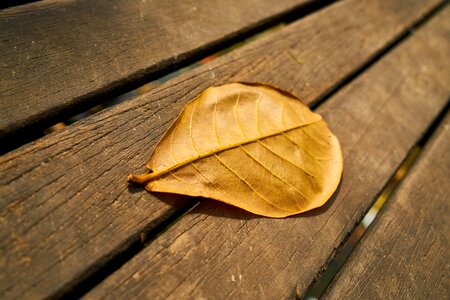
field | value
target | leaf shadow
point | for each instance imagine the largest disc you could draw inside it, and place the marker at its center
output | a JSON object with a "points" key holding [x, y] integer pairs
{"points": [[135, 189], [175, 201], [205, 206], [223, 210]]}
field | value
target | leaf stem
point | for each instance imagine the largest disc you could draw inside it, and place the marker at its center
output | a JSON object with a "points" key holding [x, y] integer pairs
{"points": [[140, 179]]}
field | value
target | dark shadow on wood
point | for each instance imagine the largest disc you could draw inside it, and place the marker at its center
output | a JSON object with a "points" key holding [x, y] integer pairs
{"points": [[222, 210], [176, 201], [10, 3], [133, 188]]}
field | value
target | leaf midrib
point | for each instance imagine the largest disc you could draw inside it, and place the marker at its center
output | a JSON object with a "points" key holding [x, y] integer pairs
{"points": [[154, 175]]}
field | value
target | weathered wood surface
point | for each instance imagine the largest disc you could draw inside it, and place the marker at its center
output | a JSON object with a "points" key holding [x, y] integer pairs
{"points": [[404, 255], [56, 55], [65, 205], [216, 252]]}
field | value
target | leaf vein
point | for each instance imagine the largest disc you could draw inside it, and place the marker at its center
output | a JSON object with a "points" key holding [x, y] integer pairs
{"points": [[248, 184], [190, 129], [212, 183], [236, 116], [258, 103], [272, 173], [287, 160], [315, 139], [301, 147], [171, 142], [176, 177], [215, 123]]}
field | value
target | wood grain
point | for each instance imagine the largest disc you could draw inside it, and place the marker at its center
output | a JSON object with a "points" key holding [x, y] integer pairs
{"points": [[404, 255], [59, 57], [216, 252], [65, 206]]}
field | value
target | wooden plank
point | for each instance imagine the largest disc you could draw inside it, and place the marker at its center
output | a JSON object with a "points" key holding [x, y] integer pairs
{"points": [[65, 207], [58, 55], [404, 255], [216, 252]]}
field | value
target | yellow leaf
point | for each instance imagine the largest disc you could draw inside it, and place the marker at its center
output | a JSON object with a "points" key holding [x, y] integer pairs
{"points": [[249, 145]]}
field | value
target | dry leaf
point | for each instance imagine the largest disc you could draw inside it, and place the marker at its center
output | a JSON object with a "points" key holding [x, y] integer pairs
{"points": [[249, 145]]}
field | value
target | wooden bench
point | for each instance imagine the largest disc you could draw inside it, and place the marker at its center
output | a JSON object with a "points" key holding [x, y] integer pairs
{"points": [[71, 226]]}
